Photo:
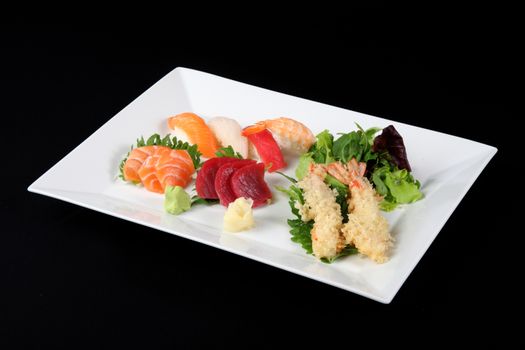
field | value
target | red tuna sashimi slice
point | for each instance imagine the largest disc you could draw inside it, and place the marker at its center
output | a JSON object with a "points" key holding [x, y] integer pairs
{"points": [[248, 182], [205, 183], [222, 180]]}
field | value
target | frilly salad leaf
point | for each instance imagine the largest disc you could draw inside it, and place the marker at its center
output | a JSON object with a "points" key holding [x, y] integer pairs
{"points": [[342, 194], [355, 144], [304, 165], [228, 152], [299, 229], [390, 141], [397, 186], [321, 150]]}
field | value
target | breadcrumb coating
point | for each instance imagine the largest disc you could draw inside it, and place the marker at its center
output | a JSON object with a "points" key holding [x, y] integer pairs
{"points": [[320, 205], [366, 228]]}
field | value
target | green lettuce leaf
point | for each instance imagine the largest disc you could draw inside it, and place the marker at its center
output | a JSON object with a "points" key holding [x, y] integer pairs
{"points": [[395, 185], [342, 194], [321, 150], [304, 165], [355, 144], [228, 152], [299, 229]]}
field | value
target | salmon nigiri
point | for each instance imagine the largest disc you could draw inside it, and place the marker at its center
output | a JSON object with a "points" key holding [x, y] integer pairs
{"points": [[290, 135], [157, 167], [192, 128]]}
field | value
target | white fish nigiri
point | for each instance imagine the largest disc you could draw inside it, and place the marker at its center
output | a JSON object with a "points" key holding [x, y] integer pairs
{"points": [[228, 132]]}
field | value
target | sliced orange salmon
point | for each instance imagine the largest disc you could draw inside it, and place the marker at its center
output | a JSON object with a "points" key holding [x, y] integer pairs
{"points": [[194, 129], [158, 166]]}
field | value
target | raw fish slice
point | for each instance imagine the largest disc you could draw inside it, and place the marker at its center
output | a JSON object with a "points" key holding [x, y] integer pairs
{"points": [[159, 166], [135, 160], [267, 149], [148, 174], [205, 183], [223, 177], [174, 168], [192, 128], [228, 133], [248, 182]]}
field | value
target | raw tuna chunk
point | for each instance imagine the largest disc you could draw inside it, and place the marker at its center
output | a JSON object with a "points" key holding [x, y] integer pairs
{"points": [[248, 182], [205, 183], [222, 180]]}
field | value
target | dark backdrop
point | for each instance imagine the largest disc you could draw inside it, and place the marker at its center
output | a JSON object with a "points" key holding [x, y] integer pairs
{"points": [[74, 276]]}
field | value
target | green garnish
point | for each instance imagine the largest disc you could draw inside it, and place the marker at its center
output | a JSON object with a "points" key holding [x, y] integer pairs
{"points": [[321, 150], [228, 152], [342, 194], [299, 229], [355, 144], [304, 165], [396, 186], [196, 200]]}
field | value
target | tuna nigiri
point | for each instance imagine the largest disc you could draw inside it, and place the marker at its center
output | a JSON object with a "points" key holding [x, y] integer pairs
{"points": [[267, 148], [192, 128], [290, 135], [228, 133]]}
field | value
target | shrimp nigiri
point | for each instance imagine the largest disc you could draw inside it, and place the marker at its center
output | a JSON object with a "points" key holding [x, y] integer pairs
{"points": [[290, 135], [192, 128]]}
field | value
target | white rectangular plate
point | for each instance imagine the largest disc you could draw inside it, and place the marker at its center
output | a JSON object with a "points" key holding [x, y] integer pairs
{"points": [[446, 166]]}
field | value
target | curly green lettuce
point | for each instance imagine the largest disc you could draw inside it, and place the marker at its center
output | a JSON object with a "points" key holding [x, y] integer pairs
{"points": [[397, 186]]}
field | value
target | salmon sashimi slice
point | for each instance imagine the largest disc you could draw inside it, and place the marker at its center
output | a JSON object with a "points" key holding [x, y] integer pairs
{"points": [[148, 174], [157, 167], [135, 160], [174, 168], [192, 128]]}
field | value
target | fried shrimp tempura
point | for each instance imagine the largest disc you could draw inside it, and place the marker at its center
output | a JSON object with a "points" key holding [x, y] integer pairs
{"points": [[320, 205], [366, 228]]}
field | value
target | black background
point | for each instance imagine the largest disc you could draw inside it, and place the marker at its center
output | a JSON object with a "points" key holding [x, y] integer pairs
{"points": [[72, 277]]}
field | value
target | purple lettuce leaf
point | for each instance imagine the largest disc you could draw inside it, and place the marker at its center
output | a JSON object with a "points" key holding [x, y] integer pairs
{"points": [[392, 142]]}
